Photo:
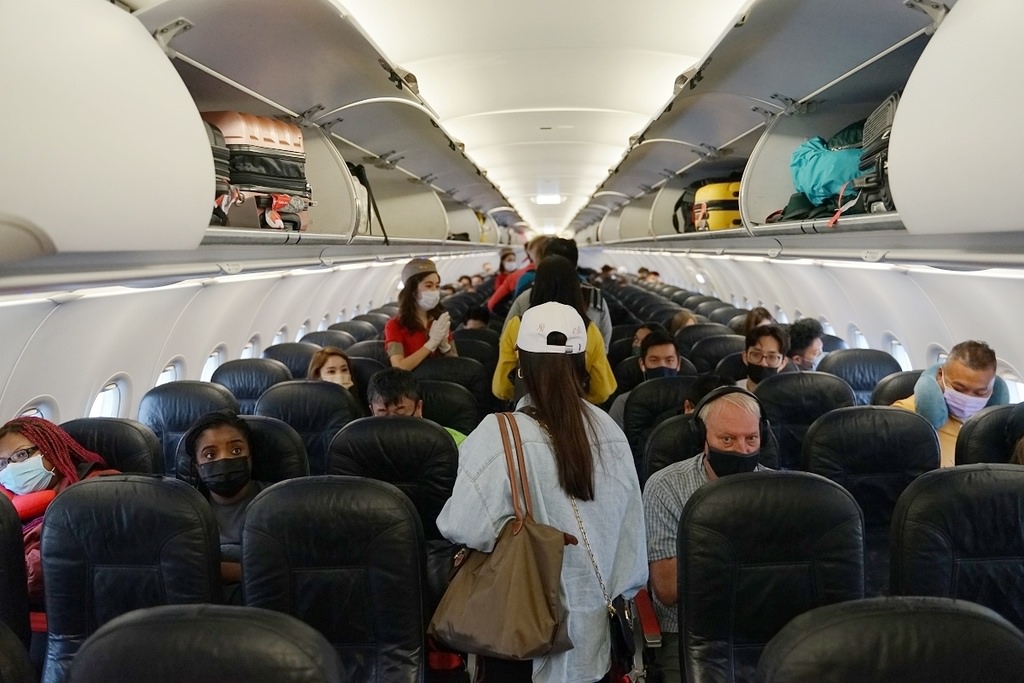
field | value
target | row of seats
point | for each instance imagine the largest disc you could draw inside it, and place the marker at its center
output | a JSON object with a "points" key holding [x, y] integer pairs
{"points": [[799, 545]]}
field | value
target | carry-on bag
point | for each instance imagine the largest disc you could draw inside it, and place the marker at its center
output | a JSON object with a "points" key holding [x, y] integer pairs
{"points": [[716, 206], [874, 158]]}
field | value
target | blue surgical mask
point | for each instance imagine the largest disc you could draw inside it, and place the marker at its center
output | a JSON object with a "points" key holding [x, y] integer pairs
{"points": [[26, 477], [654, 373]]}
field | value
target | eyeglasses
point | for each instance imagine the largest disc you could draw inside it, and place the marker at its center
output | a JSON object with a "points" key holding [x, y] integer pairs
{"points": [[20, 455], [756, 356]]}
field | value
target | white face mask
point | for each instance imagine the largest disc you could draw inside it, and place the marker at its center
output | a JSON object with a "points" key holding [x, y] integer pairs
{"points": [[26, 477], [342, 378], [510, 264], [962, 406], [428, 299]]}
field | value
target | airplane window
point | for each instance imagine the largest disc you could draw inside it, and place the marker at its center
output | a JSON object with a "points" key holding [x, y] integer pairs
{"points": [[108, 401], [797, 314], [936, 354], [827, 326], [281, 336], [341, 316], [303, 329], [897, 350], [212, 363], [251, 349], [32, 411], [169, 373], [859, 340], [324, 322], [1015, 386], [780, 316]]}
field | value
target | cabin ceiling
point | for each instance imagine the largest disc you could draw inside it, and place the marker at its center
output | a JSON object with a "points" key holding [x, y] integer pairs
{"points": [[545, 95]]}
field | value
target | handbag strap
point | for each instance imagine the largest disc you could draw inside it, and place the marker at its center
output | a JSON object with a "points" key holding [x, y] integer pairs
{"points": [[593, 560], [514, 453]]}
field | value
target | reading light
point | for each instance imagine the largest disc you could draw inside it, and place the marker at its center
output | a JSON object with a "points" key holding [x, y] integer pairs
{"points": [[548, 199]]}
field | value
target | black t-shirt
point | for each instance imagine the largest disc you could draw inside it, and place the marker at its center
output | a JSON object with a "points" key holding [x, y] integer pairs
{"points": [[229, 517]]}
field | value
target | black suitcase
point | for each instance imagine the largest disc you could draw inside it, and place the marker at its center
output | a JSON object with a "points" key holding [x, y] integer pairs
{"points": [[222, 198], [874, 158]]}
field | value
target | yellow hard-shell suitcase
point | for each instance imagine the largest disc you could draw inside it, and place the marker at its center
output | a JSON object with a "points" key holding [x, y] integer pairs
{"points": [[716, 206]]}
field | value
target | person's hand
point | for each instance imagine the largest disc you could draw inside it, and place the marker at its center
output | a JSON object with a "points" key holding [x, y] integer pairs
{"points": [[438, 334]]}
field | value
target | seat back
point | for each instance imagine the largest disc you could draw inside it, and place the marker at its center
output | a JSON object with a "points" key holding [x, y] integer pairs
{"points": [[336, 338], [314, 409], [363, 369], [486, 354], [378, 320], [958, 533], [650, 402], [126, 445], [873, 452], [370, 348], [275, 449], [465, 372], [206, 643], [983, 438], [15, 665], [117, 543], [830, 343], [485, 335], [706, 308], [732, 368], [248, 378], [359, 329], [892, 388], [860, 368], [13, 586], [755, 550], [794, 400], [346, 556], [686, 337], [169, 409], [449, 405], [709, 351], [724, 315], [295, 355], [940, 641]]}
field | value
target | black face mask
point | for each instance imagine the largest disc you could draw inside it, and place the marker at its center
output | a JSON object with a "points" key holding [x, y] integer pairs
{"points": [[725, 463], [654, 373], [756, 373], [225, 477]]}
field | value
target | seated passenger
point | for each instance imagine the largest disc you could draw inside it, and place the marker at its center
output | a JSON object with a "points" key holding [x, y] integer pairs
{"points": [[477, 318], [757, 317], [765, 354], [641, 333], [331, 364], [421, 328], [447, 290], [658, 358], [732, 441], [556, 282], [805, 343], [38, 460], [683, 318], [1015, 433], [466, 283], [948, 395], [396, 392], [219, 445]]}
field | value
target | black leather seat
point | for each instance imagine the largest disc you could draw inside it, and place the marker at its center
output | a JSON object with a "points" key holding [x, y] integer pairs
{"points": [[248, 378], [732, 368], [695, 300], [480, 351], [706, 308], [370, 348], [723, 315], [295, 355], [363, 369], [958, 533], [314, 409], [15, 665], [175, 643], [359, 329], [117, 543], [892, 388], [170, 409], [619, 350], [686, 337], [861, 368], [485, 335], [830, 343], [648, 402], [276, 452], [378, 320], [336, 338], [346, 556], [449, 405], [984, 438], [623, 332], [793, 400], [873, 452], [738, 322], [709, 351], [911, 640], [797, 543], [126, 445], [465, 372], [13, 587]]}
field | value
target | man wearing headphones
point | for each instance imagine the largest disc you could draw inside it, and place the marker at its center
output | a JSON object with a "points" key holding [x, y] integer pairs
{"points": [[731, 424]]}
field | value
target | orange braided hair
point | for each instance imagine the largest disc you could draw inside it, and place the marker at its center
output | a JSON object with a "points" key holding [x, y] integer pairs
{"points": [[53, 442]]}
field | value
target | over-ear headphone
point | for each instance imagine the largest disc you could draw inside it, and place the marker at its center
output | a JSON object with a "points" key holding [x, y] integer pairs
{"points": [[699, 428]]}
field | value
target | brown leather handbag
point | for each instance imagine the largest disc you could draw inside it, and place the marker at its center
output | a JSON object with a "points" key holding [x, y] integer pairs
{"points": [[506, 603]]}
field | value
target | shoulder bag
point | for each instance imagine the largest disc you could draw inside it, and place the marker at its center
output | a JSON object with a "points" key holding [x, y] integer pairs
{"points": [[506, 603]]}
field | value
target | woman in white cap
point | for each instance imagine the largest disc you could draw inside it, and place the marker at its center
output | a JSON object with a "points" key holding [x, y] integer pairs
{"points": [[576, 457], [422, 327]]}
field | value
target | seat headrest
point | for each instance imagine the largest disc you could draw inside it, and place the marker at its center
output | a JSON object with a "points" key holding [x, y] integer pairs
{"points": [[336, 338], [360, 329], [686, 337], [170, 409], [247, 378], [708, 351], [295, 355], [449, 405], [860, 368], [416, 455], [204, 643], [984, 437], [369, 348], [940, 640], [651, 399], [892, 388], [126, 445]]}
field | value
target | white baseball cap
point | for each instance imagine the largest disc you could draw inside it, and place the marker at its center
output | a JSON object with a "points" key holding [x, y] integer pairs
{"points": [[541, 320]]}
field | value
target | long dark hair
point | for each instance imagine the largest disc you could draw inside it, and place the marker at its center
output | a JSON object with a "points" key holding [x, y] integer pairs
{"points": [[555, 385], [407, 306], [557, 281]]}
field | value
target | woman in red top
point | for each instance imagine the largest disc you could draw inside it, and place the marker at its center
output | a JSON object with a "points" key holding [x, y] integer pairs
{"points": [[421, 328], [506, 267], [38, 460]]}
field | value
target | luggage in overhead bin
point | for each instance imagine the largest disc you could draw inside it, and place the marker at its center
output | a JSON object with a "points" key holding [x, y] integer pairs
{"points": [[267, 167], [874, 158], [716, 206], [223, 197]]}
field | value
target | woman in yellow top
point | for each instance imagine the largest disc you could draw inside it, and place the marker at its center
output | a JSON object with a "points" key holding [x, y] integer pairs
{"points": [[556, 281]]}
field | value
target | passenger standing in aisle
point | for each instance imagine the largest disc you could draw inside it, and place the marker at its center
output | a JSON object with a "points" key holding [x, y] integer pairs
{"points": [[573, 450], [421, 329]]}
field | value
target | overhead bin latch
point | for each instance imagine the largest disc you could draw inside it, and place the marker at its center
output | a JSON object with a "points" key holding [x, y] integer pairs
{"points": [[710, 152], [791, 107], [166, 33], [935, 10]]}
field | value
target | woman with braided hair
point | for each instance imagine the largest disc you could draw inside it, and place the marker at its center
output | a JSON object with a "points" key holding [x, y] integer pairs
{"points": [[38, 460]]}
